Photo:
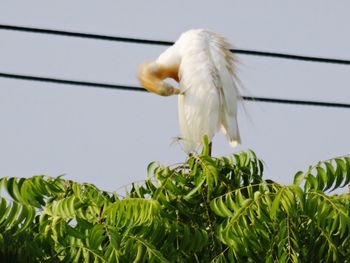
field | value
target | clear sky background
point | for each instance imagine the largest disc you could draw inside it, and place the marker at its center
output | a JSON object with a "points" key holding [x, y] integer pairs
{"points": [[107, 137]]}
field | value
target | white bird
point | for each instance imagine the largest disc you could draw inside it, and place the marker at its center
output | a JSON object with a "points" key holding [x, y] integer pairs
{"points": [[203, 65]]}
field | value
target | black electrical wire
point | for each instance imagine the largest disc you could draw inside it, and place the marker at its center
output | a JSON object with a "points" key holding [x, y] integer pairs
{"points": [[168, 43], [70, 82], [134, 88]]}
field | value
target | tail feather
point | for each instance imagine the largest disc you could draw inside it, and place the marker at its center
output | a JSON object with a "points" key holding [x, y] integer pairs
{"points": [[230, 129]]}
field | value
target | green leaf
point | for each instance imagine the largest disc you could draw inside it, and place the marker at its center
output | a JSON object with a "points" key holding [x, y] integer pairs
{"points": [[13, 189], [223, 208], [194, 190], [12, 213], [97, 235], [298, 177], [321, 178], [276, 204], [205, 210], [340, 172], [150, 168], [205, 145], [140, 253]]}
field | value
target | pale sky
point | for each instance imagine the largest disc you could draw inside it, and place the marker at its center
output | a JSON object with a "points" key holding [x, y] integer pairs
{"points": [[107, 137]]}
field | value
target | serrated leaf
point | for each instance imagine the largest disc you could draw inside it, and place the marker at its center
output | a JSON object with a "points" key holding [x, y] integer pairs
{"points": [[97, 236], [13, 190], [275, 204], [298, 177], [321, 178], [223, 208], [150, 168], [194, 190]]}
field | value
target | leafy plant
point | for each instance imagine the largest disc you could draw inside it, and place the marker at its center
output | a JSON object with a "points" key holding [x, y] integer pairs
{"points": [[204, 210]]}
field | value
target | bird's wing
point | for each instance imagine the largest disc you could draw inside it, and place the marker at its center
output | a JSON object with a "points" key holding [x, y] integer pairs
{"points": [[199, 106], [229, 94], [198, 109]]}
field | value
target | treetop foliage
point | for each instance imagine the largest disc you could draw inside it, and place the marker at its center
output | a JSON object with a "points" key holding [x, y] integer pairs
{"points": [[207, 209]]}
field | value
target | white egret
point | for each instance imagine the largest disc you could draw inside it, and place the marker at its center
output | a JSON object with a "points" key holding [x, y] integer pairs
{"points": [[203, 65]]}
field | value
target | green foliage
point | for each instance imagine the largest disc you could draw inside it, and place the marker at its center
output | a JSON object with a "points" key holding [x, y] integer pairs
{"points": [[204, 210]]}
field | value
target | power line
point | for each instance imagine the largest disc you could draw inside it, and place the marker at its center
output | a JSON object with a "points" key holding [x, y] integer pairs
{"points": [[168, 43], [84, 35], [70, 82], [134, 88], [298, 102], [165, 43], [293, 57]]}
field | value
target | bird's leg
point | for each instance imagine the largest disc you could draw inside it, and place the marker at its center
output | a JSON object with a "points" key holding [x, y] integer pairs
{"points": [[151, 76], [210, 148]]}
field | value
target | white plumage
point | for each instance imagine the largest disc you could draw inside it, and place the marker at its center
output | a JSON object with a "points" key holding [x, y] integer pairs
{"points": [[208, 91]]}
